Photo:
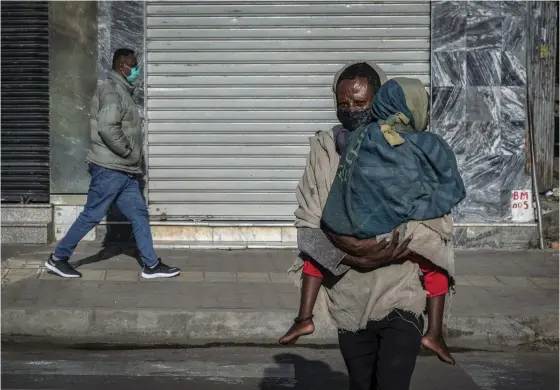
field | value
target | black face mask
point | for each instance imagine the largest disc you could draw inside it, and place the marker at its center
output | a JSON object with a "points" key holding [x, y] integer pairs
{"points": [[354, 119]]}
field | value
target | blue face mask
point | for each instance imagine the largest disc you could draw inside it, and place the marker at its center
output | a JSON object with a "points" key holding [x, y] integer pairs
{"points": [[134, 73]]}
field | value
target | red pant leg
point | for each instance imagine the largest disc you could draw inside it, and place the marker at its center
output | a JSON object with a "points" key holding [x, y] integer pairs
{"points": [[311, 270], [435, 282]]}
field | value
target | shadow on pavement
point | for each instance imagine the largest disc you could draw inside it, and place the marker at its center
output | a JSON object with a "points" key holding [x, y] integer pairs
{"points": [[110, 250], [309, 374]]}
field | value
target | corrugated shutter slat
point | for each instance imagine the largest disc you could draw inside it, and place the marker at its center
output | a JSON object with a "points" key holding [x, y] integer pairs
{"points": [[25, 101], [235, 89]]}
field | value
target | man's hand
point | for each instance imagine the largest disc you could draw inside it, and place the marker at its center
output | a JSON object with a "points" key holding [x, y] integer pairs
{"points": [[355, 246], [381, 253]]}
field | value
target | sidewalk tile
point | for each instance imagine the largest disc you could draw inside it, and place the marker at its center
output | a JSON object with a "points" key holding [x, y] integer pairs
{"points": [[25, 264], [546, 283], [250, 301], [462, 281], [228, 301], [17, 264], [46, 275], [192, 277], [219, 277], [12, 264], [483, 281], [288, 301], [253, 277], [93, 274], [280, 277], [16, 275], [516, 281], [121, 276]]}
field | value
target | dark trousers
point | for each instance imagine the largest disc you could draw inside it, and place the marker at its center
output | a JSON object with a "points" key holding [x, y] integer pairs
{"points": [[383, 356]]}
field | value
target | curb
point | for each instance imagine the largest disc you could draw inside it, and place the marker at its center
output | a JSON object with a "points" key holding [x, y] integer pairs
{"points": [[151, 326]]}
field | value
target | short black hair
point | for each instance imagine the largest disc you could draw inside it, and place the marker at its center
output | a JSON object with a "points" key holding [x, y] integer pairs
{"points": [[120, 53], [361, 70]]}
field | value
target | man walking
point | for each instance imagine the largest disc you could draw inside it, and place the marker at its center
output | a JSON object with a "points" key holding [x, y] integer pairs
{"points": [[114, 165]]}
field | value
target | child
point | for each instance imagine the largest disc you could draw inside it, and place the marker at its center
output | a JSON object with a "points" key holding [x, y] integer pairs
{"points": [[433, 187]]}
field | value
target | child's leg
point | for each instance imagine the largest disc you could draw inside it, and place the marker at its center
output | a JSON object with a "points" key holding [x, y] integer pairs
{"points": [[303, 324], [437, 286], [433, 339]]}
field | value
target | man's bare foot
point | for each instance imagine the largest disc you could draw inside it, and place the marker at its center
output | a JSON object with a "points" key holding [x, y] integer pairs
{"points": [[297, 330], [437, 345]]}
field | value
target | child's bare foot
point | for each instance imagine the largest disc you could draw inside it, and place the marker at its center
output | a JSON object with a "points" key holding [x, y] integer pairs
{"points": [[298, 329], [437, 345]]}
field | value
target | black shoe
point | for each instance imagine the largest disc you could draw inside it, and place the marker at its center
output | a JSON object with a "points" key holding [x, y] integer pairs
{"points": [[62, 268], [160, 270]]}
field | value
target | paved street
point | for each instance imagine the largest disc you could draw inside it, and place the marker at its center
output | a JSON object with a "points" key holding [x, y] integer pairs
{"points": [[237, 368]]}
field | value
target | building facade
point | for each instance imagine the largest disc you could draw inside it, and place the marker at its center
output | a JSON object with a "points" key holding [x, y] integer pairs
{"points": [[233, 90]]}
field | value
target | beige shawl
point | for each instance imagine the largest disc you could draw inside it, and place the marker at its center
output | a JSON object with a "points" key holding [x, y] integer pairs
{"points": [[357, 297]]}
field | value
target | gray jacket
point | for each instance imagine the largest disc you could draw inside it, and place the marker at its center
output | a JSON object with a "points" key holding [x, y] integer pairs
{"points": [[116, 128]]}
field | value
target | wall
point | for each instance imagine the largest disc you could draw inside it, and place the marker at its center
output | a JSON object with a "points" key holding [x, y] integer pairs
{"points": [[73, 77], [479, 107], [121, 25], [542, 46], [84, 37]]}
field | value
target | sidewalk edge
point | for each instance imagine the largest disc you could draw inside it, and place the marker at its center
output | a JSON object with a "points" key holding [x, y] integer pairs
{"points": [[149, 326]]}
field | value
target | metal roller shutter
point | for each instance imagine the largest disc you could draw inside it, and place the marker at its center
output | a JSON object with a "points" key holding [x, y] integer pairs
{"points": [[235, 89], [25, 101]]}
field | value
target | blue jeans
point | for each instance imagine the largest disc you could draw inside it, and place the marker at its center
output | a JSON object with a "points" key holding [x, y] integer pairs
{"points": [[107, 187]]}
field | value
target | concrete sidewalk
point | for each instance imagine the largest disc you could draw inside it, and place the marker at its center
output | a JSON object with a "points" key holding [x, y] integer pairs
{"points": [[503, 298]]}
